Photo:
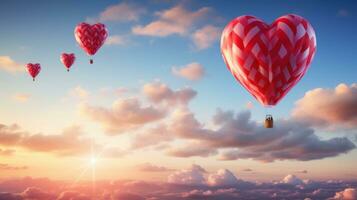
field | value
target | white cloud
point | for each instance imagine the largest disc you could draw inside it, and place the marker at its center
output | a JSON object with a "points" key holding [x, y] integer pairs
{"points": [[222, 177], [121, 12], [192, 71], [176, 20], [206, 36], [292, 180], [9, 65], [116, 40], [192, 176]]}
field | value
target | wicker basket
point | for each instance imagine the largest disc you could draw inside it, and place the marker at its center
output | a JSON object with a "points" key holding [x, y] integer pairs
{"points": [[268, 121]]}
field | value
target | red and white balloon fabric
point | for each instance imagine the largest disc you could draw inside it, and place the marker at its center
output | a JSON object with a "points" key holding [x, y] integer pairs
{"points": [[33, 69], [268, 60], [68, 60], [90, 37]]}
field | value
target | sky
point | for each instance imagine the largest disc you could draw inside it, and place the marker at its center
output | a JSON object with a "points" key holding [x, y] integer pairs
{"points": [[159, 102]]}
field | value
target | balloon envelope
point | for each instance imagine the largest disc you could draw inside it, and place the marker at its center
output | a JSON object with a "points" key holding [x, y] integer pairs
{"points": [[90, 37], [268, 60], [33, 69], [67, 59]]}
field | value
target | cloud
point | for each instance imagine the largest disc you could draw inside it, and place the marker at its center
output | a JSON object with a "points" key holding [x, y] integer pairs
{"points": [[73, 195], [244, 138], [69, 142], [148, 167], [4, 166], [10, 135], [292, 180], [192, 71], [176, 20], [122, 12], [192, 176], [9, 65], [21, 97], [192, 149], [247, 170], [192, 183], [36, 193], [124, 115], [347, 194], [206, 36], [151, 137], [302, 172], [328, 107], [222, 177], [80, 93], [158, 92], [6, 152], [116, 40]]}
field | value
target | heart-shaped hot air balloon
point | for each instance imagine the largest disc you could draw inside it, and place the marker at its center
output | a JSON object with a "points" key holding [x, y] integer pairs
{"points": [[67, 60], [268, 60], [33, 69], [90, 37]]}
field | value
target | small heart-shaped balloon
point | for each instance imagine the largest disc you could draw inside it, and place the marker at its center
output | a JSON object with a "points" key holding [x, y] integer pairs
{"points": [[67, 60], [90, 37], [33, 69], [268, 60]]}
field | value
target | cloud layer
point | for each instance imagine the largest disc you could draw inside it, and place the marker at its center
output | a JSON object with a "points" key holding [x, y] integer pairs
{"points": [[192, 183], [329, 107]]}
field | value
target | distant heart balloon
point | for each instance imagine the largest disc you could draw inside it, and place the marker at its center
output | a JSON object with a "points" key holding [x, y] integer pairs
{"points": [[90, 37], [67, 60], [268, 60], [33, 69]]}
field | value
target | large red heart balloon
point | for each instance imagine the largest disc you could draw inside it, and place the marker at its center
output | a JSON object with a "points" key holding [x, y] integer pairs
{"points": [[33, 69], [90, 37], [268, 60], [67, 60]]}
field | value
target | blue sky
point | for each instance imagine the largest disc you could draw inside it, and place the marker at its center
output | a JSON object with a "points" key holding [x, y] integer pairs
{"points": [[43, 30]]}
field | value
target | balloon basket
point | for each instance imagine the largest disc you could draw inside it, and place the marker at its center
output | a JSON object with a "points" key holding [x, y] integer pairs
{"points": [[269, 122], [91, 61]]}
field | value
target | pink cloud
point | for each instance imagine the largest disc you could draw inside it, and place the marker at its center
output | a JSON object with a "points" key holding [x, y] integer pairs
{"points": [[7, 152], [148, 167], [193, 71], [10, 167], [329, 107], [36, 193], [124, 115], [347, 194], [206, 36], [158, 92], [176, 20], [121, 12], [9, 65]]}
